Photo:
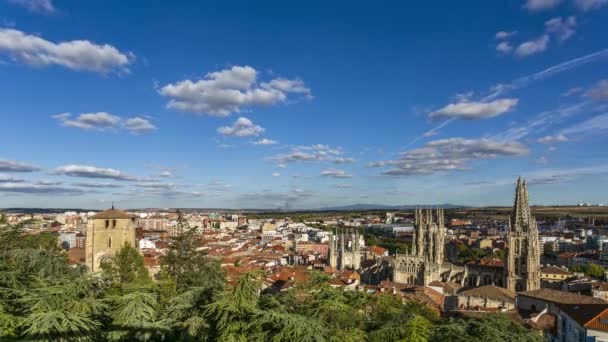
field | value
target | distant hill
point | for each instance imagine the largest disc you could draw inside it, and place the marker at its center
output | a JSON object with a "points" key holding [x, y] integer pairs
{"points": [[355, 207]]}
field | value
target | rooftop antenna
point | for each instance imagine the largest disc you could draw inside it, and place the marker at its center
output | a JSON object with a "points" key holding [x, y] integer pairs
{"points": [[112, 205]]}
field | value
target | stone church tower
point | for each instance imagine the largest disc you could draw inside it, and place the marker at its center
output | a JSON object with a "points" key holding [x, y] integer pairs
{"points": [[107, 232], [523, 251]]}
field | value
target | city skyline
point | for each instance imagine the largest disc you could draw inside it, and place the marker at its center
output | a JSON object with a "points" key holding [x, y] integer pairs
{"points": [[233, 105]]}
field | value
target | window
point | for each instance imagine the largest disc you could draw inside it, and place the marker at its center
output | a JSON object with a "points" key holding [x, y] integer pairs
{"points": [[107, 223], [110, 242], [113, 223]]}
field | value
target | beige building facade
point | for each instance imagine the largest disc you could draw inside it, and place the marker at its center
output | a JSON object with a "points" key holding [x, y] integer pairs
{"points": [[107, 232]]}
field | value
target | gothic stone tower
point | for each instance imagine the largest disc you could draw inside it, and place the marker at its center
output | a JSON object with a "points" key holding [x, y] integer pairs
{"points": [[107, 232], [423, 264], [345, 249], [523, 253]]}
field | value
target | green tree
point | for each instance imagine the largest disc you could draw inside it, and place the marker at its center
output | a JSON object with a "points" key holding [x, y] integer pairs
{"points": [[126, 266]]}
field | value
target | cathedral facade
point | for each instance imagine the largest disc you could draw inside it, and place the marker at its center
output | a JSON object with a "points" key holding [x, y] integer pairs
{"points": [[424, 263], [345, 249]]}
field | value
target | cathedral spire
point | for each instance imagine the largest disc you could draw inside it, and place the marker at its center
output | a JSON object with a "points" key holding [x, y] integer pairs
{"points": [[521, 209]]}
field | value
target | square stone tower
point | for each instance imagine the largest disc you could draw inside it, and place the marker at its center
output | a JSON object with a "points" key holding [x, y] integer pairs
{"points": [[107, 232]]}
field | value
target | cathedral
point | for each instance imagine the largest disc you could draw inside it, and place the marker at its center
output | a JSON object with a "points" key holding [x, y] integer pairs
{"points": [[522, 271], [345, 249], [425, 262]]}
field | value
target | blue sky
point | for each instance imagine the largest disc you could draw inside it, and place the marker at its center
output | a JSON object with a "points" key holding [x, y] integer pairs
{"points": [[246, 104]]}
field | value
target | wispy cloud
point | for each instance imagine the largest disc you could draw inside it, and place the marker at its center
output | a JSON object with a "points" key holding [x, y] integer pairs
{"points": [[102, 121], [16, 166]]}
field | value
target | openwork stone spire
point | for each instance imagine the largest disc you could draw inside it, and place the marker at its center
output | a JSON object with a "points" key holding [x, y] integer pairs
{"points": [[520, 218]]}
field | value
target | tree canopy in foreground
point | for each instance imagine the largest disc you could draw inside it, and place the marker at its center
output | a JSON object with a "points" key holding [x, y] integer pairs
{"points": [[43, 298]]}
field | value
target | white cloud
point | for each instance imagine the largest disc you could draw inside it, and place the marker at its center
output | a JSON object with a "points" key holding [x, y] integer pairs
{"points": [[505, 34], [242, 127], [87, 171], [540, 5], [342, 160], [504, 47], [599, 91], [275, 174], [551, 139], [227, 91], [265, 142], [475, 110], [532, 47], [138, 125], [218, 185], [80, 55], [588, 5], [16, 166], [166, 174], [335, 173], [296, 86], [562, 28], [454, 154], [10, 179], [102, 121], [596, 124], [343, 186], [282, 166], [27, 188], [40, 6], [312, 153], [47, 182], [100, 185]]}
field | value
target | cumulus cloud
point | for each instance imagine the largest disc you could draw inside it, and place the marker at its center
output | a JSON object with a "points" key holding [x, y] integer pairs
{"points": [[312, 153], [588, 5], [275, 174], [138, 125], [335, 173], [102, 121], [86, 171], [532, 47], [551, 139], [242, 127], [453, 154], [16, 166], [99, 185], [40, 6], [599, 91], [562, 28], [79, 55], [504, 47], [265, 142], [228, 91], [475, 110], [540, 5]]}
